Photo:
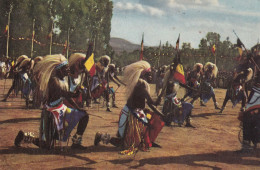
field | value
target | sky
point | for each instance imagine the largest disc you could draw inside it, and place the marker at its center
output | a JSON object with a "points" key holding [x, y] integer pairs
{"points": [[164, 20]]}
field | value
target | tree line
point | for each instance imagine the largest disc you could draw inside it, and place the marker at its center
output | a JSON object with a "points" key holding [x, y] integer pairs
{"points": [[75, 21], [226, 54]]}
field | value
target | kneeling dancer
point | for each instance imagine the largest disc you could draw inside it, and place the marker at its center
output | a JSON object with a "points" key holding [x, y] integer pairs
{"points": [[138, 127], [53, 69]]}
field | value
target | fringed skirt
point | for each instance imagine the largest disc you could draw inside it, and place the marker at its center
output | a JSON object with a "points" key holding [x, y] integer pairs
{"points": [[136, 133]]}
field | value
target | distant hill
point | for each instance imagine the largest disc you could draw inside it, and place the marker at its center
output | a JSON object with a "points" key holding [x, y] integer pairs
{"points": [[119, 45]]}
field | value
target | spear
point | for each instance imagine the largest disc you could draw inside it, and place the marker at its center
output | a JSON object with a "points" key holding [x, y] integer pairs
{"points": [[247, 52], [8, 32], [33, 33]]}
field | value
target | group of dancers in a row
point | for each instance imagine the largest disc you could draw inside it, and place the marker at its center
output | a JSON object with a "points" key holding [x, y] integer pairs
{"points": [[59, 83]]}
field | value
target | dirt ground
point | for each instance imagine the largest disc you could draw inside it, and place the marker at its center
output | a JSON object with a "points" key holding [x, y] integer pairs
{"points": [[211, 145]]}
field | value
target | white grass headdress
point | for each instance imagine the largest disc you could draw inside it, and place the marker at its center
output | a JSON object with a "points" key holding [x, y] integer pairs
{"points": [[74, 58], [37, 59], [132, 74], [166, 78], [27, 61], [44, 69], [21, 58], [105, 57], [112, 65], [214, 70], [198, 65], [249, 74]]}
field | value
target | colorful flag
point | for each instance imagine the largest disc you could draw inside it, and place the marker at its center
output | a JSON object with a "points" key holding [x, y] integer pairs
{"points": [[6, 29], [90, 63], [239, 47], [213, 49], [142, 48], [179, 74], [178, 43]]}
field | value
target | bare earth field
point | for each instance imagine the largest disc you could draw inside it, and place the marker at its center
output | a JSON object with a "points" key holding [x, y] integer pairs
{"points": [[211, 145]]}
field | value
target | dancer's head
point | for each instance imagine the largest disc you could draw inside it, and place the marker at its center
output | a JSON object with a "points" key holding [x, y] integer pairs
{"points": [[198, 67], [50, 65], [20, 59], [76, 63], [105, 60], [133, 72], [212, 68], [26, 64]]}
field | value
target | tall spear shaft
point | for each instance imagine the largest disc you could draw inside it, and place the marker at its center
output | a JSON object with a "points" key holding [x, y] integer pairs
{"points": [[251, 59], [33, 32], [8, 32], [68, 42], [51, 37]]}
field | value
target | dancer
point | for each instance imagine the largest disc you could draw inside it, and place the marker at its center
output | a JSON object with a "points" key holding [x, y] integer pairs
{"points": [[236, 91], [210, 74], [77, 76], [174, 109], [17, 71], [53, 69], [159, 79], [25, 72], [112, 75], [37, 96], [100, 82], [250, 118], [138, 127], [194, 79]]}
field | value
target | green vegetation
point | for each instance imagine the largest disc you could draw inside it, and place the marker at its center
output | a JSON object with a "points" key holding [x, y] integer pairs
{"points": [[90, 21], [225, 53], [86, 20]]}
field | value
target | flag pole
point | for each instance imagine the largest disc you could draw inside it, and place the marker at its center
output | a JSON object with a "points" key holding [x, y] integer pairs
{"points": [[177, 48], [247, 52], [8, 32], [142, 48], [68, 42], [51, 37], [159, 54], [33, 32], [215, 57]]}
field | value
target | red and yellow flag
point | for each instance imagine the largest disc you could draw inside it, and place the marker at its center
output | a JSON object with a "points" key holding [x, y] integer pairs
{"points": [[213, 49], [6, 29], [90, 65], [239, 47], [179, 74]]}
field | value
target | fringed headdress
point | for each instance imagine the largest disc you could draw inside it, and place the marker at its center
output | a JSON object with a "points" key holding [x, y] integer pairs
{"points": [[132, 74], [246, 75], [198, 65], [112, 65], [214, 69], [165, 82], [21, 58], [105, 57], [24, 62], [75, 58], [249, 74], [37, 59], [44, 69]]}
